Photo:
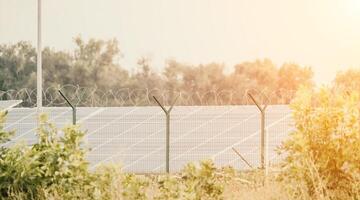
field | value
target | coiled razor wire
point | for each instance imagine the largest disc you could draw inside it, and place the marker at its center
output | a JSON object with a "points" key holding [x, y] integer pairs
{"points": [[95, 97]]}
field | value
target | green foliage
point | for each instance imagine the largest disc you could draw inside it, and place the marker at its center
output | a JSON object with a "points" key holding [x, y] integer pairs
{"points": [[4, 135], [202, 182], [17, 66], [54, 162], [323, 153], [193, 183], [108, 182], [134, 187], [169, 188]]}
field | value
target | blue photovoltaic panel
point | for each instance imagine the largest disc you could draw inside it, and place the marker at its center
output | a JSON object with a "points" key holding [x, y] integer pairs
{"points": [[8, 104], [135, 136]]}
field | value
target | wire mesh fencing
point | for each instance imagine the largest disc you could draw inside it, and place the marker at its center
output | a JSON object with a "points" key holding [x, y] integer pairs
{"points": [[135, 136]]}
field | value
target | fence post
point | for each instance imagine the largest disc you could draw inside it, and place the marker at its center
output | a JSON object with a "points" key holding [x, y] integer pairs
{"points": [[267, 161], [167, 114], [72, 107], [262, 129]]}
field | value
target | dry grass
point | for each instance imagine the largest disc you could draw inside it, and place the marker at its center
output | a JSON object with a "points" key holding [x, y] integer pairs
{"points": [[249, 185], [271, 190]]}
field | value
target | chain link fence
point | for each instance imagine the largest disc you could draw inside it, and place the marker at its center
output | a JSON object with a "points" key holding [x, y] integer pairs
{"points": [[135, 136]]}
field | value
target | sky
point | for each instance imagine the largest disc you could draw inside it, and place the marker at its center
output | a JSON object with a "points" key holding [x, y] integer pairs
{"points": [[322, 34]]}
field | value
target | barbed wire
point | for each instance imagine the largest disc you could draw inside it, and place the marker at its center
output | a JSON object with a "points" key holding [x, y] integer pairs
{"points": [[96, 97]]}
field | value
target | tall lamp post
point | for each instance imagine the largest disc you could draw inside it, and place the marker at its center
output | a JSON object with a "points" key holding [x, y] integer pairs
{"points": [[39, 63]]}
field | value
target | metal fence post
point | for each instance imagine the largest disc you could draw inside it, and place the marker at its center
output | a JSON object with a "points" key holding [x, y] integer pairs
{"points": [[262, 130], [267, 161], [72, 107], [167, 113]]}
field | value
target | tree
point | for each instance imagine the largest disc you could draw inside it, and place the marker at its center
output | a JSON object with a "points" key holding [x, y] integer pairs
{"points": [[94, 64], [262, 72], [348, 80], [258, 77], [17, 64], [92, 75], [290, 78]]}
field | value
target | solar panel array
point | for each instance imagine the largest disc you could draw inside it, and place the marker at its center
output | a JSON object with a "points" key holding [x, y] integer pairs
{"points": [[135, 136], [6, 105]]}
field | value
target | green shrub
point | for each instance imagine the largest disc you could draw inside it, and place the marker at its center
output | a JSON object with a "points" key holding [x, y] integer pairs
{"points": [[134, 187], [202, 182], [169, 187], [55, 162], [194, 182], [108, 184], [323, 153], [4, 135]]}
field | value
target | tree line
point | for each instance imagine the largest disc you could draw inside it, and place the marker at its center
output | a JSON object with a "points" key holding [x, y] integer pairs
{"points": [[92, 73]]}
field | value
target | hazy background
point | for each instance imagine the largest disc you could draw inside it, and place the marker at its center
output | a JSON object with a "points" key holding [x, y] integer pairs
{"points": [[323, 34]]}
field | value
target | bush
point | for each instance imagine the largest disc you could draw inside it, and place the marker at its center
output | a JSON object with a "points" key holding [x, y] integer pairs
{"points": [[169, 188], [54, 162], [202, 182], [108, 184], [4, 135], [323, 153]]}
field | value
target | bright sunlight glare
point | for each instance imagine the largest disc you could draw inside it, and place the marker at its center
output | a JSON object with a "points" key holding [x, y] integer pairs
{"points": [[353, 8]]}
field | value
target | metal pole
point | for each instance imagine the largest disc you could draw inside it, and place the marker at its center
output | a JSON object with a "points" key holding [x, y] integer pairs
{"points": [[72, 107], [262, 130], [167, 113], [262, 147], [39, 64], [167, 142], [267, 162], [74, 115]]}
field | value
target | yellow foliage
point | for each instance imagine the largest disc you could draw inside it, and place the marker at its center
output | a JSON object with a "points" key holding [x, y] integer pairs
{"points": [[324, 150]]}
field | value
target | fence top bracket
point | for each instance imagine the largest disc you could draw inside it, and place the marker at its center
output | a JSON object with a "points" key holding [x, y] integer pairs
{"points": [[261, 108], [66, 99], [162, 107]]}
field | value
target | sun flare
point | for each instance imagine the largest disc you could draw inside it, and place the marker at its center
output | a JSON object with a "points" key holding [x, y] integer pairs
{"points": [[353, 8]]}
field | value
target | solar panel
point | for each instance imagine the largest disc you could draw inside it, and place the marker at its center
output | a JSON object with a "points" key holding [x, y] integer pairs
{"points": [[135, 136], [8, 104]]}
